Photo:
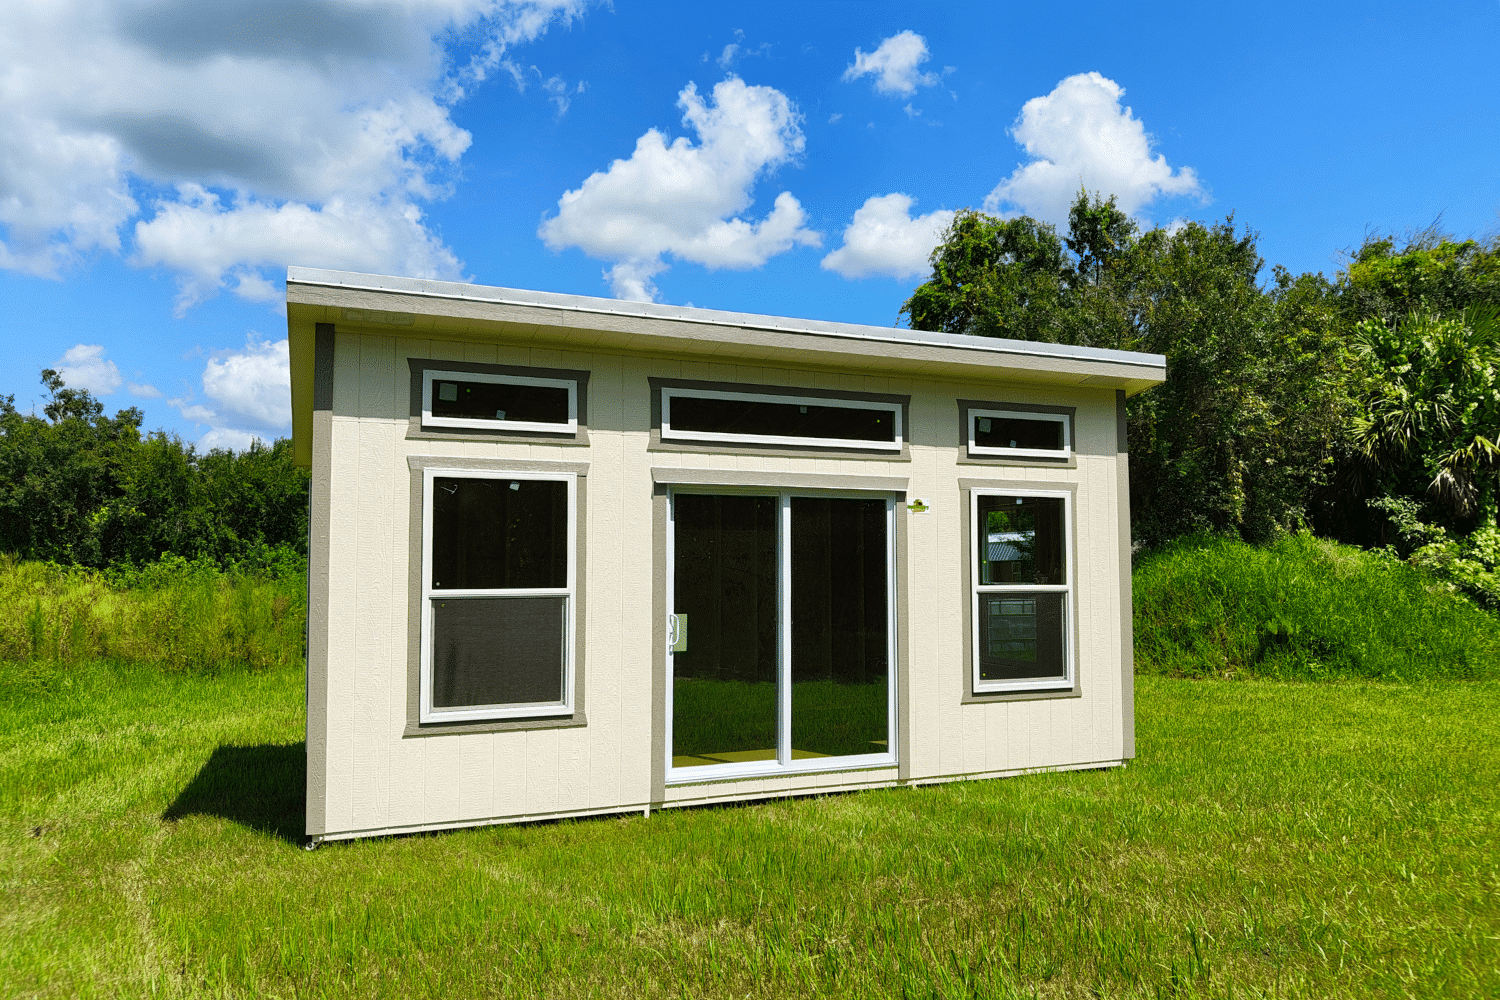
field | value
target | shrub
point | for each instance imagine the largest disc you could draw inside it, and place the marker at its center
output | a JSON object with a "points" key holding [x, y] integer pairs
{"points": [[174, 613], [1304, 608]]}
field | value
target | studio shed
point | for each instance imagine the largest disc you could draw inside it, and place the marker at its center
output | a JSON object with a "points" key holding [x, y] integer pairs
{"points": [[573, 556]]}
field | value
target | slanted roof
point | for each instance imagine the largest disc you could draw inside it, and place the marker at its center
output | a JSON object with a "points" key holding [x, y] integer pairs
{"points": [[450, 310]]}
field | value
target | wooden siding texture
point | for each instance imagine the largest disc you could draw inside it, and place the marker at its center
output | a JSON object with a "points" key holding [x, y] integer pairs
{"points": [[380, 780]]}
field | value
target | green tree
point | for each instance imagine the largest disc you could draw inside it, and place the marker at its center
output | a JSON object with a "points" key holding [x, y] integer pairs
{"points": [[82, 487], [1240, 433], [56, 473]]}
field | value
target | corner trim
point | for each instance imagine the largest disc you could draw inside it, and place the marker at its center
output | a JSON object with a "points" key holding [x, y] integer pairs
{"points": [[1127, 598]]}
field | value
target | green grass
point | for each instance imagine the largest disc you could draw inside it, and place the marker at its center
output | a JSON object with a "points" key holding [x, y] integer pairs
{"points": [[1304, 608], [1273, 839]]}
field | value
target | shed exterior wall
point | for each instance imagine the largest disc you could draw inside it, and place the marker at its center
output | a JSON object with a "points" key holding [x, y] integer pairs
{"points": [[367, 776]]}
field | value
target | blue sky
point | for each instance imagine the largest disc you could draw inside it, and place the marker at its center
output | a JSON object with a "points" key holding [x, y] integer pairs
{"points": [[162, 162]]}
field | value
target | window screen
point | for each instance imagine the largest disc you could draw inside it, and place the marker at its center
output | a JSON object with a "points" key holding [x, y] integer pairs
{"points": [[497, 651], [1021, 636]]}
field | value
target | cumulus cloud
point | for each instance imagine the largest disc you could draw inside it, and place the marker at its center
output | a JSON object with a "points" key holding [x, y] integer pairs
{"points": [[211, 245], [894, 64], [254, 384], [318, 117], [251, 392], [1081, 135], [684, 199], [84, 366], [884, 239]]}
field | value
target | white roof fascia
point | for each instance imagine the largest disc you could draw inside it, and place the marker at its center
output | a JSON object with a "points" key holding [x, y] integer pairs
{"points": [[1151, 367]]}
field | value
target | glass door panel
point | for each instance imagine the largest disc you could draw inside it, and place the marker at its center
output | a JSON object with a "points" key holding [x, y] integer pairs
{"points": [[725, 597], [840, 662]]}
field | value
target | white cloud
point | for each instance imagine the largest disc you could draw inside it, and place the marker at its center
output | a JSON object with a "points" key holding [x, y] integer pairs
{"points": [[894, 65], [1080, 135], [685, 200], [253, 385], [251, 390], [146, 391], [210, 244], [559, 92], [84, 366], [884, 239], [318, 116], [229, 439]]}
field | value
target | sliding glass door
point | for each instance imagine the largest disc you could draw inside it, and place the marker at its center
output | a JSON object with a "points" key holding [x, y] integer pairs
{"points": [[782, 638]]}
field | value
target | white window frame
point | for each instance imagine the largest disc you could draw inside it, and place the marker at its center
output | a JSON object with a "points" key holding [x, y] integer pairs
{"points": [[669, 433], [429, 376], [426, 713], [1065, 452], [784, 764], [979, 542]]}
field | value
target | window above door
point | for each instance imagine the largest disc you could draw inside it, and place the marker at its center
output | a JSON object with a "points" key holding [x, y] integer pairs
{"points": [[735, 417]]}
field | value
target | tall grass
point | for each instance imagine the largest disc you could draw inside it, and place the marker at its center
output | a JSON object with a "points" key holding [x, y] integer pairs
{"points": [[1304, 609], [174, 614]]}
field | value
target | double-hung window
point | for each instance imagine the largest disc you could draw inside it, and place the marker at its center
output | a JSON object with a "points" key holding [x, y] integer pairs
{"points": [[1022, 590], [499, 578]]}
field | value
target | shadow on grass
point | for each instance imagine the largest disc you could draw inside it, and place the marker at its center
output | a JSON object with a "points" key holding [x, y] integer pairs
{"points": [[262, 787]]}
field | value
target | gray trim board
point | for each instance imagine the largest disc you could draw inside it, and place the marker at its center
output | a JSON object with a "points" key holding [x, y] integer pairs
{"points": [[808, 450], [1127, 600], [903, 643], [964, 458], [969, 696], [416, 466], [660, 665], [319, 529]]}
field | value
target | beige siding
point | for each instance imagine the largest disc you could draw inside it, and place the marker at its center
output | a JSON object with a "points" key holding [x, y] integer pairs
{"points": [[379, 779]]}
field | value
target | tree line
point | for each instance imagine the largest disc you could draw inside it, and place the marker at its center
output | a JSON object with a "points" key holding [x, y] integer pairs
{"points": [[79, 487], [1365, 407]]}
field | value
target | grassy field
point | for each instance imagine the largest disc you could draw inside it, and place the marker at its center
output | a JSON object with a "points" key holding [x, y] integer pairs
{"points": [[1273, 839], [1304, 608]]}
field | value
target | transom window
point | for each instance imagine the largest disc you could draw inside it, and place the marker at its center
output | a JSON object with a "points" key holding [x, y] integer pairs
{"points": [[760, 418], [1020, 434], [782, 639], [1022, 591], [499, 579], [499, 402]]}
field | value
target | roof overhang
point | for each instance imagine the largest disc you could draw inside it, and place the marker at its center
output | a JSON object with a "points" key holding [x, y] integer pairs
{"points": [[447, 310]]}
